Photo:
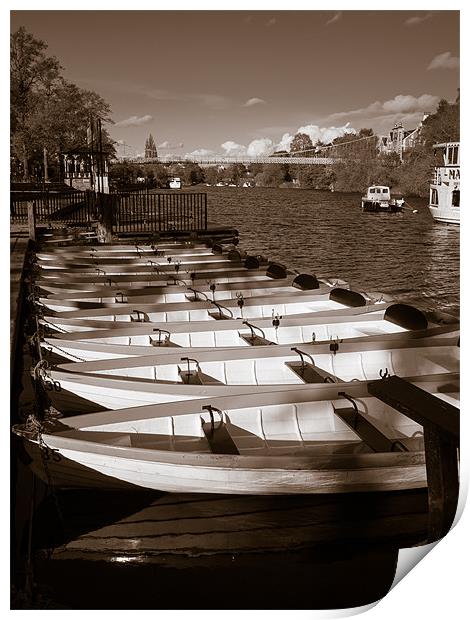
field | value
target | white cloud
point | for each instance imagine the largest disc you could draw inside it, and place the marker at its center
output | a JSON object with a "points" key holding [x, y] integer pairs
{"points": [[417, 19], [200, 153], [400, 104], [253, 101], [167, 145], [408, 103], [267, 146], [232, 148], [316, 133], [134, 121], [444, 61], [336, 17], [260, 146]]}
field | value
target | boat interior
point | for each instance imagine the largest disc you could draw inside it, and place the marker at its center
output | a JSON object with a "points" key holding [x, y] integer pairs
{"points": [[298, 368], [293, 429]]}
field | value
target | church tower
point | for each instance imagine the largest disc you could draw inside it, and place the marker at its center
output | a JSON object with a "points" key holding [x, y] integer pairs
{"points": [[150, 148]]}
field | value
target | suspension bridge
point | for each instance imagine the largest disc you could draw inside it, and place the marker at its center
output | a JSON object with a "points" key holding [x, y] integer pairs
{"points": [[320, 155], [218, 160]]}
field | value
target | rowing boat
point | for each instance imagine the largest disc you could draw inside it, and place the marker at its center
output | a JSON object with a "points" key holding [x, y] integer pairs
{"points": [[138, 380], [256, 307], [113, 292], [396, 322], [319, 440]]}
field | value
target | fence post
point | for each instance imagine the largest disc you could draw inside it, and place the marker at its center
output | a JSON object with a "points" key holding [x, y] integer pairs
{"points": [[159, 214], [32, 220], [105, 203]]}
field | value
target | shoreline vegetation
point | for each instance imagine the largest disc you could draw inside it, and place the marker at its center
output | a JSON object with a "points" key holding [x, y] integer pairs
{"points": [[50, 117], [360, 163]]}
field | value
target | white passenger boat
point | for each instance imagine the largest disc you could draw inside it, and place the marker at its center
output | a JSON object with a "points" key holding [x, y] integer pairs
{"points": [[379, 199], [444, 198], [133, 381], [325, 439], [175, 183]]}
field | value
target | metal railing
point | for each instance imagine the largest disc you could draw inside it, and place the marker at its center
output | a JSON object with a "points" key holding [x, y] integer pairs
{"points": [[152, 212], [62, 207], [135, 212]]}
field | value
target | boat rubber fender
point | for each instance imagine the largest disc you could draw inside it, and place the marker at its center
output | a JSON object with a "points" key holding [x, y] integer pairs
{"points": [[348, 298], [306, 282], [224, 245], [235, 256], [406, 316], [276, 271], [442, 318], [251, 262]]}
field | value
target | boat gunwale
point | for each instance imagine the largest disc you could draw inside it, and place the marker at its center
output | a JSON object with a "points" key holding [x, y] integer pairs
{"points": [[221, 354], [239, 461]]}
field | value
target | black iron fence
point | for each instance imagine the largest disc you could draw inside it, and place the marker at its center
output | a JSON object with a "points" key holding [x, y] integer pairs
{"points": [[73, 208], [142, 212], [135, 212]]}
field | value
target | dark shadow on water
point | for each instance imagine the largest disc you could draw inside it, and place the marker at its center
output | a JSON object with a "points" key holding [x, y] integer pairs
{"points": [[300, 580], [144, 550]]}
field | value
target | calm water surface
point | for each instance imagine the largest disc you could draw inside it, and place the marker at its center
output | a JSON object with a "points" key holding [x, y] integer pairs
{"points": [[407, 255]]}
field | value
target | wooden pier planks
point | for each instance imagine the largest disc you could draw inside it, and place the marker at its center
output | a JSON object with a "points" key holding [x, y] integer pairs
{"points": [[440, 421]]}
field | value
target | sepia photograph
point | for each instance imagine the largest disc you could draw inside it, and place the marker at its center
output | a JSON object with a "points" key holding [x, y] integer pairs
{"points": [[234, 304]]}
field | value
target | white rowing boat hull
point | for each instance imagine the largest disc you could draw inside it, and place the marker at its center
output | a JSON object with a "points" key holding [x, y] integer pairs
{"points": [[224, 474]]}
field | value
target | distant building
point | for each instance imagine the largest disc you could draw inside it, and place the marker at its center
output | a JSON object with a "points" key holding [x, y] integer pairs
{"points": [[150, 148], [399, 139]]}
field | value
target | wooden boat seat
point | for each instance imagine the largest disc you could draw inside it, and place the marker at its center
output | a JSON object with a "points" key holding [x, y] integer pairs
{"points": [[310, 373], [255, 341], [219, 316], [369, 433], [219, 438], [194, 377]]}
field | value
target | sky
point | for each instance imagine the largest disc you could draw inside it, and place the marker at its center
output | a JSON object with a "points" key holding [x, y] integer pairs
{"points": [[234, 82]]}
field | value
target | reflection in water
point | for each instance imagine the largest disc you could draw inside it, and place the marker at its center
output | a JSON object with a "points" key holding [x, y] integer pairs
{"points": [[407, 255]]}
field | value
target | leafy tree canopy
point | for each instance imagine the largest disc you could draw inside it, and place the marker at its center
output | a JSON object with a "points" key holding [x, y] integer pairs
{"points": [[443, 125], [301, 145], [48, 113]]}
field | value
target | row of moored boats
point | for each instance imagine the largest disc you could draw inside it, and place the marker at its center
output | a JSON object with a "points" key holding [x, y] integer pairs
{"points": [[188, 368]]}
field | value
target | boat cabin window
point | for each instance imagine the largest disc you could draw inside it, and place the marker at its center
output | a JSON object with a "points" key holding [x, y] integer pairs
{"points": [[456, 198], [434, 198], [384, 191], [372, 190], [452, 155]]}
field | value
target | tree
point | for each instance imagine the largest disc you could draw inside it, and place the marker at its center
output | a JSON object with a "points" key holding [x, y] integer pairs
{"points": [[301, 145], [443, 125], [210, 175], [62, 116], [31, 74], [273, 175], [315, 177], [235, 172], [192, 174], [49, 114]]}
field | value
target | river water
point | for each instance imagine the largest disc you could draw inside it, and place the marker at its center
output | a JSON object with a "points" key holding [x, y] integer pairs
{"points": [[409, 256]]}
